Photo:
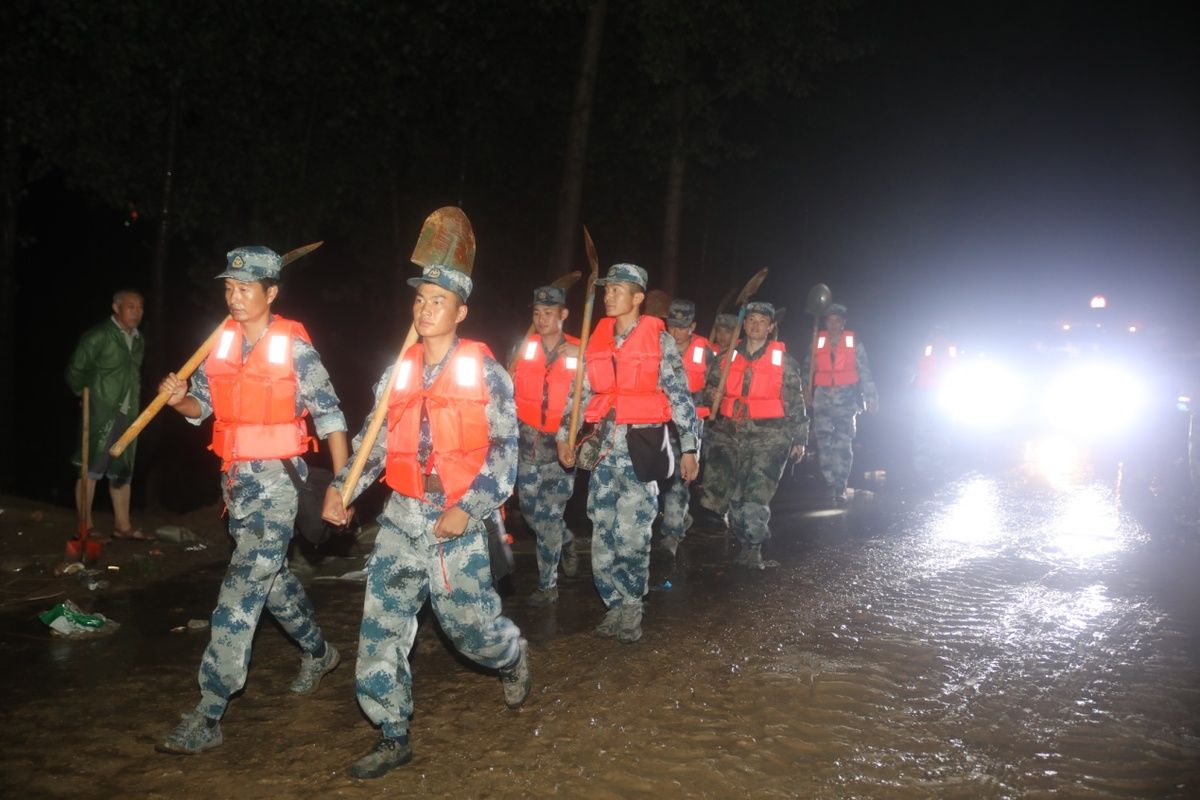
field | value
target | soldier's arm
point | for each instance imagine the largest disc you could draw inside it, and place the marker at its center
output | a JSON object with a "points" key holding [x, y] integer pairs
{"points": [[793, 401], [494, 483], [866, 383], [315, 390], [200, 393], [377, 457], [673, 382]]}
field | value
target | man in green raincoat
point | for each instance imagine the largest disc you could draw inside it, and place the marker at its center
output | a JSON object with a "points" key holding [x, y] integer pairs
{"points": [[108, 362]]}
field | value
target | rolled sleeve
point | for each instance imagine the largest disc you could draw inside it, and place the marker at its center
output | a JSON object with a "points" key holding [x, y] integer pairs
{"points": [[315, 391]]}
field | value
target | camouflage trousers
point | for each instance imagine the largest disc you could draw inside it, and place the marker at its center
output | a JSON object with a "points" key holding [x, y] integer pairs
{"points": [[833, 429], [408, 566], [622, 510], [258, 575], [543, 491], [676, 497], [743, 473]]}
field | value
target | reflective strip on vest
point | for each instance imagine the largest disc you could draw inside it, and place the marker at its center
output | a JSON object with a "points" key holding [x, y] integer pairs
{"points": [[226, 342], [277, 349]]}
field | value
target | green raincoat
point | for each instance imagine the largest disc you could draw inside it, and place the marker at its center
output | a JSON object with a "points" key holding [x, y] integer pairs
{"points": [[111, 370]]}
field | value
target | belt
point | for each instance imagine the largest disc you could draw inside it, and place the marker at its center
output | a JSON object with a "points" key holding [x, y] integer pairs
{"points": [[433, 484]]}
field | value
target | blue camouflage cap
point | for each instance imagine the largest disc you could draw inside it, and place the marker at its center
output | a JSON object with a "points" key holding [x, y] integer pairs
{"points": [[726, 321], [445, 277], [549, 296], [625, 273], [253, 263], [681, 313], [759, 307], [834, 308]]}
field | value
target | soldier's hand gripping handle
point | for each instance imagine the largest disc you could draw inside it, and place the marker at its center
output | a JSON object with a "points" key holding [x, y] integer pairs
{"points": [[566, 454], [334, 511]]}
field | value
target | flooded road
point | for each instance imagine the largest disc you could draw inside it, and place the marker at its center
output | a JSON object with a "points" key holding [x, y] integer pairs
{"points": [[998, 639]]}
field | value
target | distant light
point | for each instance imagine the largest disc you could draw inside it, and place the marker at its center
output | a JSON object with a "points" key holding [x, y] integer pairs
{"points": [[1099, 301], [1133, 329], [1066, 326]]}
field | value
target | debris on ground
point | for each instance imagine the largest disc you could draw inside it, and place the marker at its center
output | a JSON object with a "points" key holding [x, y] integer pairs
{"points": [[175, 534], [68, 619]]}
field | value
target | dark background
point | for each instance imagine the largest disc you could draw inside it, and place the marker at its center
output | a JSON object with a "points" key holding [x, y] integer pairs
{"points": [[983, 165]]}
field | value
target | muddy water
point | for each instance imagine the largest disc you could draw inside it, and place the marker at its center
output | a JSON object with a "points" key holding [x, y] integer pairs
{"points": [[997, 640]]}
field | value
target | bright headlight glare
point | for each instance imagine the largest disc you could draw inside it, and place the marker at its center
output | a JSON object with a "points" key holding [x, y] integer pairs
{"points": [[982, 393], [1094, 400]]}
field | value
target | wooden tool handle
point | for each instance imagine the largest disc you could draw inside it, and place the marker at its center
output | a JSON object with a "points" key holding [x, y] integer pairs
{"points": [[83, 445], [377, 419], [160, 400], [584, 335], [720, 393]]}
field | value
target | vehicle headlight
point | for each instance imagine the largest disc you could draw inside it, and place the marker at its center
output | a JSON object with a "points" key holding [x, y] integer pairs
{"points": [[982, 393], [1094, 401]]}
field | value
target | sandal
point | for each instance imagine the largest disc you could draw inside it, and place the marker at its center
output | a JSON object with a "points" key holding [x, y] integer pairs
{"points": [[134, 534], [94, 535]]}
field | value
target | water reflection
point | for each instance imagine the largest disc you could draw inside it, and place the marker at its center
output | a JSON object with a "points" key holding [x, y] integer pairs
{"points": [[1086, 525], [974, 518]]}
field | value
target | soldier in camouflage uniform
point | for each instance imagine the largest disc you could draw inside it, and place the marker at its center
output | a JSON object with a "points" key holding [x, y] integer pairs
{"points": [[842, 388], [450, 456], [696, 354], [621, 506], [259, 357], [723, 332], [543, 371], [760, 425]]}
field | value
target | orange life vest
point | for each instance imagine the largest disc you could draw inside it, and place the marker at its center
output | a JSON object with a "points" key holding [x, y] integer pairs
{"points": [[626, 377], [764, 400], [839, 370], [456, 404], [935, 360], [695, 366], [254, 403], [533, 383]]}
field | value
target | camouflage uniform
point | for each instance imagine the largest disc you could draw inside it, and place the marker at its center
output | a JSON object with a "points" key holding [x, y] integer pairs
{"points": [[746, 457], [262, 500], [543, 489], [835, 415], [409, 564], [621, 507]]}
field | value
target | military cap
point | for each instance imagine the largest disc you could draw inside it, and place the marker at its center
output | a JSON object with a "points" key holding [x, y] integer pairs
{"points": [[726, 321], [834, 308], [759, 307], [681, 314], [625, 273], [549, 296], [445, 277], [253, 263]]}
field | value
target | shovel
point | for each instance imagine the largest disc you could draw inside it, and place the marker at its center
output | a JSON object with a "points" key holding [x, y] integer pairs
{"points": [[82, 548]]}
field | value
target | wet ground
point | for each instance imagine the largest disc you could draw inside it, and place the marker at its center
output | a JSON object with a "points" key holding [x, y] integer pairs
{"points": [[998, 638]]}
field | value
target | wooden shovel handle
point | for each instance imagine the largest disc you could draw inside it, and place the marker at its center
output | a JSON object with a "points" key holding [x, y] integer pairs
{"points": [[372, 433], [160, 400], [83, 445], [720, 393]]}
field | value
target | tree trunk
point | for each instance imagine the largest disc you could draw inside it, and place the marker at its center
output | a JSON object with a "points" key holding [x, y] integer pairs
{"points": [[156, 338], [570, 193], [673, 206], [9, 181]]}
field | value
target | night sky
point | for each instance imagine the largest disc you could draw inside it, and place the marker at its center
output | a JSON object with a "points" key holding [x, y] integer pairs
{"points": [[977, 164]]}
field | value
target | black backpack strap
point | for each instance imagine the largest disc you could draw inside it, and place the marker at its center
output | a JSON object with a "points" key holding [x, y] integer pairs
{"points": [[293, 473]]}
